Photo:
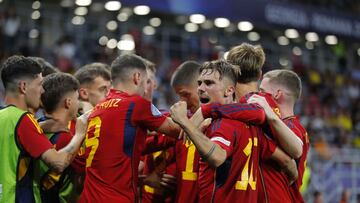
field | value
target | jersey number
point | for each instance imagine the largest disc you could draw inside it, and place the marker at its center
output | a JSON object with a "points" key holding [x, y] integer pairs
{"points": [[188, 174], [247, 179], [92, 138]]}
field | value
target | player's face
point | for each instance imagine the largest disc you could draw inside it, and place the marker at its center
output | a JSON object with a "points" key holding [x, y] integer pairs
{"points": [[34, 89], [151, 85], [265, 86], [189, 95], [97, 90], [210, 88]]}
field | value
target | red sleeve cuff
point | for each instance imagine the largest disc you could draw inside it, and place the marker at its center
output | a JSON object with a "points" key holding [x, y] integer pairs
{"points": [[210, 110]]}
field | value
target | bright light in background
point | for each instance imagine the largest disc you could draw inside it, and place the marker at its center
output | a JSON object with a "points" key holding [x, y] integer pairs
{"points": [[149, 30], [197, 18], [81, 11], [213, 39], [312, 37], [126, 43], [112, 5], [112, 25], [103, 40], [191, 27], [111, 44], [181, 19], [221, 22], [142, 10], [83, 2], [291, 33], [331, 40], [34, 33], [36, 5], [358, 51], [35, 15], [282, 40], [253, 36], [122, 17], [283, 61], [66, 3], [297, 51], [208, 24], [78, 20], [309, 45], [226, 55], [1, 1], [245, 26], [155, 22]]}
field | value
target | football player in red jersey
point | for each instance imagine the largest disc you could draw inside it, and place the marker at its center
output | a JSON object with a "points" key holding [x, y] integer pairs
{"points": [[285, 87], [116, 134], [224, 178]]}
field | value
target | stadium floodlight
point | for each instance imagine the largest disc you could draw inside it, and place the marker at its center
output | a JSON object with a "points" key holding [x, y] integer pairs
{"points": [[112, 5], [36, 5], [291, 33], [155, 22], [283, 41], [111, 44], [78, 20], [1, 1], [197, 18], [122, 17], [112, 25], [34, 33], [221, 22], [245, 26], [253, 36], [208, 24], [309, 45], [297, 51], [83, 2], [149, 30], [81, 11], [142, 10], [35, 15], [191, 27], [331, 40], [312, 37], [103, 40], [358, 51], [126, 43], [283, 61]]}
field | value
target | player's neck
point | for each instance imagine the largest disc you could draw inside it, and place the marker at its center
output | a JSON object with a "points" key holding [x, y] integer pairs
{"points": [[60, 115], [245, 88], [127, 88], [286, 110], [16, 100]]}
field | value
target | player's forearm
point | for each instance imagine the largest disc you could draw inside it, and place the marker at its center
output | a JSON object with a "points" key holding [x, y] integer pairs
{"points": [[287, 164], [212, 152], [170, 128], [288, 140]]}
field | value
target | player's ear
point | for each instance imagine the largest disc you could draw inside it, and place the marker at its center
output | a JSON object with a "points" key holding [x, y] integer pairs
{"points": [[83, 94], [278, 94], [22, 86], [230, 91], [136, 77], [67, 102]]}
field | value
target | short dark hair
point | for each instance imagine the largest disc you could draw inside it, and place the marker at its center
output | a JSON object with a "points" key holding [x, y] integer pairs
{"points": [[224, 68], [123, 64], [89, 72], [56, 86], [186, 74], [250, 59], [47, 68], [150, 65], [18, 67]]}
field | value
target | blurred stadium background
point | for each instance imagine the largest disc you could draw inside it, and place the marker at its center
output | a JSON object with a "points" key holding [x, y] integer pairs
{"points": [[319, 39]]}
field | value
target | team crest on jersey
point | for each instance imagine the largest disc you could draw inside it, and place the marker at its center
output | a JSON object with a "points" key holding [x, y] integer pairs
{"points": [[155, 111]]}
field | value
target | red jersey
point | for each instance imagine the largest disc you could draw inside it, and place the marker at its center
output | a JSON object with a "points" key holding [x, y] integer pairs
{"points": [[114, 141], [237, 179], [294, 124]]}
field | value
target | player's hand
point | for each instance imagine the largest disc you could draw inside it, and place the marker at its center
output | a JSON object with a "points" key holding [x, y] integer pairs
{"points": [[81, 124], [178, 112], [205, 124], [261, 101], [168, 181], [152, 180], [197, 118]]}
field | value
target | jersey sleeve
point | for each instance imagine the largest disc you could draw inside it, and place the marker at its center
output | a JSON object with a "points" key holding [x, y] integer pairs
{"points": [[221, 134], [267, 147], [31, 137], [247, 113], [147, 115], [63, 140]]}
